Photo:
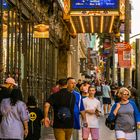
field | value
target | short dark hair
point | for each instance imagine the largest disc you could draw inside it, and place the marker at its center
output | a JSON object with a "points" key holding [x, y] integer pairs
{"points": [[31, 101], [62, 82], [69, 78]]}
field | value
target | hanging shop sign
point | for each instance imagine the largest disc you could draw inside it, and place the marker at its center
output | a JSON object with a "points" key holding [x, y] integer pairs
{"points": [[41, 31], [100, 5], [66, 6], [122, 10], [124, 58]]}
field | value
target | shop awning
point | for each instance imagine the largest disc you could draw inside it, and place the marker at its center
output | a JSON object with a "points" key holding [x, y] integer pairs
{"points": [[92, 22]]}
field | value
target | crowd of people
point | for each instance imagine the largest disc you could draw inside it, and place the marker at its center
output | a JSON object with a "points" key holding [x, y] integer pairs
{"points": [[75, 105]]}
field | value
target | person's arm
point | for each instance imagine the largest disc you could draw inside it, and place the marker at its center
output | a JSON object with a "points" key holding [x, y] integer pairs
{"points": [[109, 90], [136, 111], [116, 109], [111, 115], [46, 111], [98, 110], [25, 124], [90, 111], [83, 113]]}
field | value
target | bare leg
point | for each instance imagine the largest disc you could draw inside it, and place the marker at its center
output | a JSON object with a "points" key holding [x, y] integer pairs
{"points": [[105, 111], [108, 108]]}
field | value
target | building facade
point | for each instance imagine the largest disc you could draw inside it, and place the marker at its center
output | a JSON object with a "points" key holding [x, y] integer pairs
{"points": [[35, 63]]}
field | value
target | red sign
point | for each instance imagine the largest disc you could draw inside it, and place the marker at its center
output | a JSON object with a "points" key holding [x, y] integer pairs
{"points": [[124, 58], [123, 45]]}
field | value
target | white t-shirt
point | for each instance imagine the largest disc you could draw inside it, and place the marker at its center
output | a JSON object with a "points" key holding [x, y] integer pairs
{"points": [[93, 104]]}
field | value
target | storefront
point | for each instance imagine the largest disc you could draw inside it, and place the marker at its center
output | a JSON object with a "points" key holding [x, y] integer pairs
{"points": [[31, 61]]}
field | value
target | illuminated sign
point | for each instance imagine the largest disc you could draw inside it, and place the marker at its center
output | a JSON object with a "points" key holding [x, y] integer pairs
{"points": [[5, 4], [86, 5]]}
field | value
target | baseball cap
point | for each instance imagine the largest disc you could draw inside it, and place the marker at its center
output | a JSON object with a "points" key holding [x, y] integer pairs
{"points": [[10, 80]]}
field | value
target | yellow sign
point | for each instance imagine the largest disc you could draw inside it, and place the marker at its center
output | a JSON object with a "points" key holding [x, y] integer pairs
{"points": [[41, 31], [33, 116]]}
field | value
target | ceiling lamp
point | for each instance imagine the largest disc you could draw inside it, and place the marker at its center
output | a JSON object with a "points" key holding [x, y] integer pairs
{"points": [[82, 24], [111, 24], [73, 27], [92, 24]]}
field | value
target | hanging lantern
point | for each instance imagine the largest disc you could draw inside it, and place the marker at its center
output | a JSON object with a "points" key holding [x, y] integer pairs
{"points": [[41, 31]]}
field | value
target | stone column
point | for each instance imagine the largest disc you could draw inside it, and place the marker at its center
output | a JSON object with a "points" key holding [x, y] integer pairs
{"points": [[127, 32], [62, 63], [138, 70]]}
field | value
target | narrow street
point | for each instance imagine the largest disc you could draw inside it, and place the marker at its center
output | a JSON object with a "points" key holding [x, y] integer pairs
{"points": [[105, 133]]}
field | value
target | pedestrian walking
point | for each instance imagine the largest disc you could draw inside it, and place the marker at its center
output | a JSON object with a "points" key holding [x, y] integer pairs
{"points": [[106, 97], [14, 124], [126, 116], [55, 88], [93, 111], [79, 83], [99, 90], [6, 88], [78, 107], [63, 105], [84, 89], [36, 119]]}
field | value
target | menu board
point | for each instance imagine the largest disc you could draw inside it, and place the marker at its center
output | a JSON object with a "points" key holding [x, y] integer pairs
{"points": [[94, 5]]}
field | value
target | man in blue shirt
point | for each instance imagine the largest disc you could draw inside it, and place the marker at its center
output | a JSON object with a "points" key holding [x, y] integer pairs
{"points": [[79, 107]]}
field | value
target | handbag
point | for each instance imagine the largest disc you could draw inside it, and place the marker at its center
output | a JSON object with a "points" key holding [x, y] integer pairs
{"points": [[110, 123], [64, 112]]}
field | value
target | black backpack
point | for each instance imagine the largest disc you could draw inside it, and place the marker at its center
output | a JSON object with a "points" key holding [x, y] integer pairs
{"points": [[64, 112]]}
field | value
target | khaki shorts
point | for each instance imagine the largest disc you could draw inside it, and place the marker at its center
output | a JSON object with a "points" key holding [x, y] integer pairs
{"points": [[62, 134]]}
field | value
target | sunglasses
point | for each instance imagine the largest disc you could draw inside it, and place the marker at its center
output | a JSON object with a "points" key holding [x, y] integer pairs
{"points": [[125, 94]]}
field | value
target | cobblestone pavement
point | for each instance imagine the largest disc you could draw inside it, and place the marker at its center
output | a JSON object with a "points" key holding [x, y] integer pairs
{"points": [[105, 133]]}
